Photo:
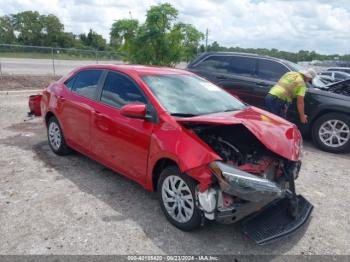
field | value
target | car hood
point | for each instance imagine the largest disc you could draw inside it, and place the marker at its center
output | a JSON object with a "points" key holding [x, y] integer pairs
{"points": [[277, 134]]}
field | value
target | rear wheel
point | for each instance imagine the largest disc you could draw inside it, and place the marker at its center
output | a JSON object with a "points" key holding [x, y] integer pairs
{"points": [[176, 193], [331, 132], [56, 138]]}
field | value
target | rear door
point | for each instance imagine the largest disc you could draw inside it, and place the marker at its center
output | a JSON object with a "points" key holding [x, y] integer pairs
{"points": [[268, 73], [241, 79], [233, 73], [76, 106], [118, 141]]}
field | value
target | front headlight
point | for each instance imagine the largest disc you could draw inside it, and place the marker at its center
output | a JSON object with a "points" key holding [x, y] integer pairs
{"points": [[244, 185]]}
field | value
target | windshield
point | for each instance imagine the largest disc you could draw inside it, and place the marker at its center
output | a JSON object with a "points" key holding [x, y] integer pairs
{"points": [[187, 95]]}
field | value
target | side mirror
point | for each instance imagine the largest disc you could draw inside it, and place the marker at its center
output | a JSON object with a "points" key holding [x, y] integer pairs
{"points": [[134, 111]]}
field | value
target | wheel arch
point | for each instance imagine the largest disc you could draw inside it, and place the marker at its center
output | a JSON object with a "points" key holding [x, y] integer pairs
{"points": [[323, 112], [159, 167], [48, 115]]}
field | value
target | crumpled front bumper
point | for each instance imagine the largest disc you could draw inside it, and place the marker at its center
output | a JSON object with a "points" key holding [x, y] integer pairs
{"points": [[275, 222], [266, 210]]}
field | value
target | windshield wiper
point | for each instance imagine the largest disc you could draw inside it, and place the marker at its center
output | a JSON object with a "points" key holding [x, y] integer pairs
{"points": [[182, 114], [230, 110]]}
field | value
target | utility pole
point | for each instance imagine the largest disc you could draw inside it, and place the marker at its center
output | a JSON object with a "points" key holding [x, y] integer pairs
{"points": [[206, 40]]}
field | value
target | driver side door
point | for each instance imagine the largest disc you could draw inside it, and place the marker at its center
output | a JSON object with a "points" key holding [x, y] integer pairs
{"points": [[121, 142]]}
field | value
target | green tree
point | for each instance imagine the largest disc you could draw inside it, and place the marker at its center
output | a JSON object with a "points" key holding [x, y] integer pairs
{"points": [[158, 26], [67, 40], [93, 40], [52, 31], [214, 47], [159, 41], [191, 39], [29, 26], [7, 35], [123, 32]]}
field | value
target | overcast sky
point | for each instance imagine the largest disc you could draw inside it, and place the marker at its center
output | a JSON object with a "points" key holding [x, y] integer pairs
{"points": [[291, 25]]}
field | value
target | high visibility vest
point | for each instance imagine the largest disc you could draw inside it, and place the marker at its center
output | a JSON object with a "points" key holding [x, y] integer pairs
{"points": [[290, 85]]}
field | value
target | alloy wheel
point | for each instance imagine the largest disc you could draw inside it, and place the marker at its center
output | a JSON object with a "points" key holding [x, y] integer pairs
{"points": [[334, 133], [177, 199]]}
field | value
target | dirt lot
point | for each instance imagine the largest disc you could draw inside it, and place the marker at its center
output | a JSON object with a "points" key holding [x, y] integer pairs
{"points": [[73, 205], [25, 82]]}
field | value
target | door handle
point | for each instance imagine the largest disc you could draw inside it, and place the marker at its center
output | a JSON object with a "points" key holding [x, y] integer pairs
{"points": [[221, 77], [263, 84], [100, 121]]}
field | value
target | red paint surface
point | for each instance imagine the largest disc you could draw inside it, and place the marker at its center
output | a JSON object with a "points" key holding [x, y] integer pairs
{"points": [[34, 104], [133, 146], [277, 134]]}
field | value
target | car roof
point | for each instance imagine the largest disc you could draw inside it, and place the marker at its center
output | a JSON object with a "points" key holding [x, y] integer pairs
{"points": [[252, 55], [138, 69]]}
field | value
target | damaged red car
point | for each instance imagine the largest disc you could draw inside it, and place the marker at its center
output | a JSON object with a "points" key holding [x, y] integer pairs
{"points": [[208, 155]]}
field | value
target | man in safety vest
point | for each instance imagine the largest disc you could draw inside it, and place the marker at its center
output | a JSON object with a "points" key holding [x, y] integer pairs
{"points": [[291, 85]]}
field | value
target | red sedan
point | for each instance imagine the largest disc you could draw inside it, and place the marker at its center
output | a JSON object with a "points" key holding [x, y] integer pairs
{"points": [[207, 154]]}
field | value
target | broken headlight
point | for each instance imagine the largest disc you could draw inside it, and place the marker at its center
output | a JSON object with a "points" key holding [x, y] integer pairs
{"points": [[238, 183]]}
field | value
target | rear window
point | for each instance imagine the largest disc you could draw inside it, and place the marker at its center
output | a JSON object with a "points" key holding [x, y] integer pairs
{"points": [[218, 64], [238, 65], [271, 70], [243, 66], [85, 83]]}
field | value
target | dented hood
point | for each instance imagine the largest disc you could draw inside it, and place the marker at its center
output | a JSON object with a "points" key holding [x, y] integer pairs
{"points": [[277, 134]]}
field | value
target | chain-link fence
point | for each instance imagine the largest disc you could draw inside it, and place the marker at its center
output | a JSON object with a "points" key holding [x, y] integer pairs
{"points": [[38, 60]]}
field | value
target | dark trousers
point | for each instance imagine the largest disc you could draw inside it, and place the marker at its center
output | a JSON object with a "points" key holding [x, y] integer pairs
{"points": [[276, 106]]}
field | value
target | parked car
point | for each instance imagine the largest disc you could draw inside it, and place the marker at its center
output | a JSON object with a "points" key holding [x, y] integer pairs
{"points": [[207, 154], [250, 77], [339, 69], [335, 76]]}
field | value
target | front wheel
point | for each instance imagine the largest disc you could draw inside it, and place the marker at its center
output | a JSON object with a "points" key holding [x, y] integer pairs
{"points": [[331, 132], [176, 193]]}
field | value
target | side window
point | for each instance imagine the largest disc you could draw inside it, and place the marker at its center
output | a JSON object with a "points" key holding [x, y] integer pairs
{"points": [[118, 90], [241, 65], [271, 70], [217, 64], [326, 73], [85, 83], [70, 82]]}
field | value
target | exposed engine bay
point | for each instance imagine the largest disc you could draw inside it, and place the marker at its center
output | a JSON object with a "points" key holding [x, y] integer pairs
{"points": [[249, 176], [240, 148], [341, 88]]}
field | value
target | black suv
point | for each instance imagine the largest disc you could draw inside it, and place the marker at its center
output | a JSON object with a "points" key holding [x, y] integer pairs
{"points": [[250, 77]]}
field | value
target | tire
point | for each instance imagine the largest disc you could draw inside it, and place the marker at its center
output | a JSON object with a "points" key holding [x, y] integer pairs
{"points": [[169, 181], [331, 132], [55, 138]]}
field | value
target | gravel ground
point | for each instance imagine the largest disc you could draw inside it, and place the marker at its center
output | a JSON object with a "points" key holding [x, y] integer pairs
{"points": [[73, 205]]}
